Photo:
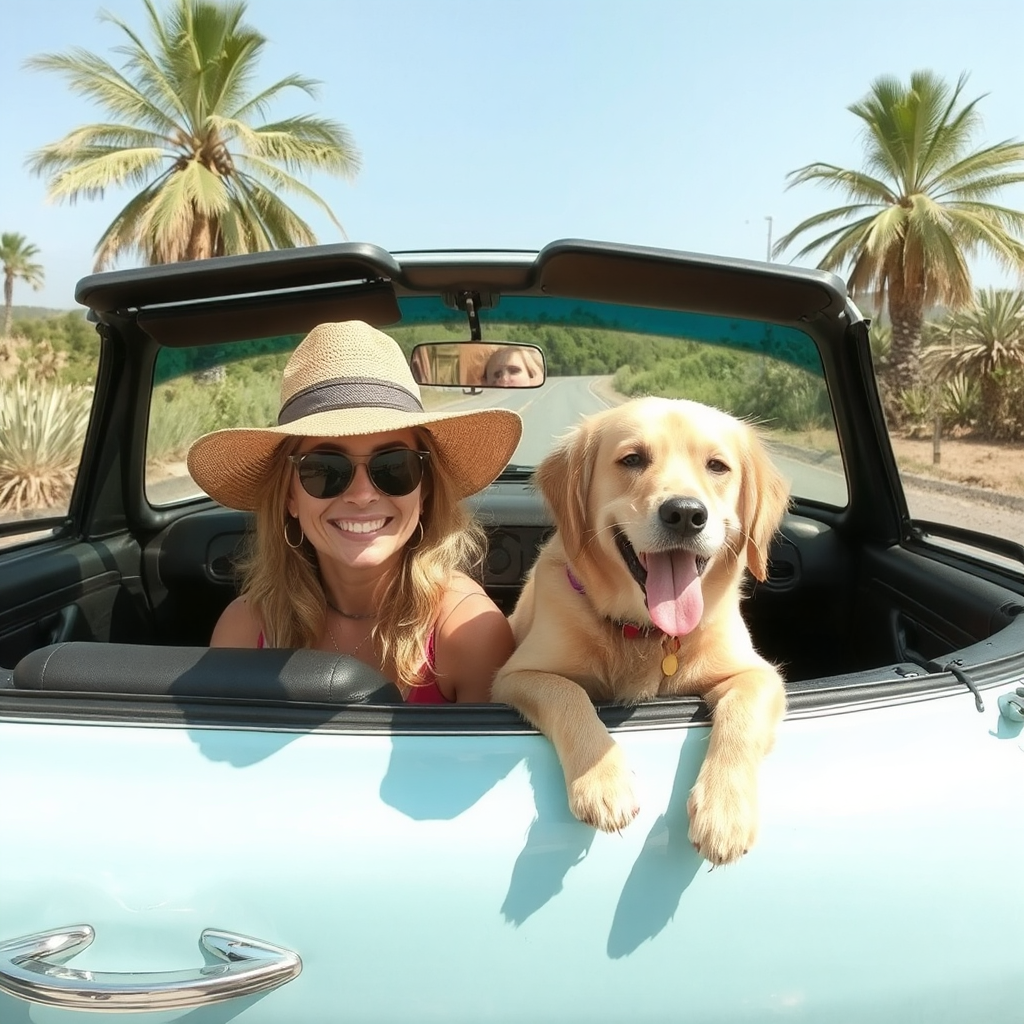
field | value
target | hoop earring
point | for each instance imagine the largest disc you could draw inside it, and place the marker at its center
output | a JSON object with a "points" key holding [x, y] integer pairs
{"points": [[287, 538], [419, 540]]}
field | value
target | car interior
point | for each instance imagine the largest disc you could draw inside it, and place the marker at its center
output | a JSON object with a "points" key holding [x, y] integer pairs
{"points": [[108, 612]]}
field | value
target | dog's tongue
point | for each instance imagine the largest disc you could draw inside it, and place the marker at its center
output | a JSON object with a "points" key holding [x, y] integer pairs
{"points": [[674, 596]]}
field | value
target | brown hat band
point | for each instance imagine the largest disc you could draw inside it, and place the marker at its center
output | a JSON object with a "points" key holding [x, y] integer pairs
{"points": [[347, 393]]}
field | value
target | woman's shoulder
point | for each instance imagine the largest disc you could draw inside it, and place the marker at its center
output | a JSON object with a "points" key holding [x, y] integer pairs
{"points": [[466, 601], [238, 626], [463, 592], [461, 584], [472, 640]]}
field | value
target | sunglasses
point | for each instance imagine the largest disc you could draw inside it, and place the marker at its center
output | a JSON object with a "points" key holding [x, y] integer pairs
{"points": [[395, 472]]}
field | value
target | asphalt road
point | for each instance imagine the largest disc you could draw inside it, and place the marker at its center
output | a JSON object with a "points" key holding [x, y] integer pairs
{"points": [[964, 508]]}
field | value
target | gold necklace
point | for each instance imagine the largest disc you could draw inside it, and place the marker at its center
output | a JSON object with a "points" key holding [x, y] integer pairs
{"points": [[330, 633], [346, 615]]}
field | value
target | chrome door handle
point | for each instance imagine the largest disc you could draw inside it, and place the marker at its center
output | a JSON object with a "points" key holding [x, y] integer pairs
{"points": [[32, 968]]}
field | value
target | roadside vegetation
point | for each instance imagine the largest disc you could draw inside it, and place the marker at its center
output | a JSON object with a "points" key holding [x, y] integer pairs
{"points": [[42, 426], [193, 401], [971, 374], [950, 359], [47, 369]]}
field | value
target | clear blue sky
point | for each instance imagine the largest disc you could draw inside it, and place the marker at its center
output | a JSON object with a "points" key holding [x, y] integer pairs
{"points": [[494, 123]]}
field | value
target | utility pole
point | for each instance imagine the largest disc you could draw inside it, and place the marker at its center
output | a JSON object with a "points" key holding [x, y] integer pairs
{"points": [[769, 238]]}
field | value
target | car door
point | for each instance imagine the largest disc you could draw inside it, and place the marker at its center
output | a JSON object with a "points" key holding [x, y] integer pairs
{"points": [[69, 567]]}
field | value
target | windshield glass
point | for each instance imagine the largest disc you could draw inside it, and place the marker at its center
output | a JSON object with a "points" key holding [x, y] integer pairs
{"points": [[596, 355]]}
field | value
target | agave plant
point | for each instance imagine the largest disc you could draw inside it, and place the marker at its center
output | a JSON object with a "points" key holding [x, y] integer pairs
{"points": [[984, 342], [917, 409], [880, 337], [960, 399], [42, 428]]}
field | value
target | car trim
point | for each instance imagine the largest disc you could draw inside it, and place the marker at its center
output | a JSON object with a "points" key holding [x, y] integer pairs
{"points": [[869, 690]]}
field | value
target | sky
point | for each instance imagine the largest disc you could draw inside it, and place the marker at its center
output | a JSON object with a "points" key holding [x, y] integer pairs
{"points": [[513, 123]]}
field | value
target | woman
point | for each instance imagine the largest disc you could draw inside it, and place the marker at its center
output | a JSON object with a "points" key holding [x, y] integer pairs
{"points": [[361, 545], [514, 367]]}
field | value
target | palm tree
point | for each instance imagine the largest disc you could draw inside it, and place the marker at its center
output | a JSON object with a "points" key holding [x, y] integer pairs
{"points": [[181, 126], [16, 257], [919, 210], [985, 342]]}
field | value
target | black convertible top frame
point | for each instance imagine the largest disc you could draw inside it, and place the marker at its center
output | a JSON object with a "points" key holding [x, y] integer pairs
{"points": [[356, 279]]}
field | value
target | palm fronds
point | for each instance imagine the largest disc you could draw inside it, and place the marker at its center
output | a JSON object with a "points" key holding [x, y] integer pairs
{"points": [[182, 130], [920, 208]]}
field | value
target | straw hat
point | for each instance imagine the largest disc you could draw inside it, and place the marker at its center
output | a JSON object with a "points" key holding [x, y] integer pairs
{"points": [[346, 379]]}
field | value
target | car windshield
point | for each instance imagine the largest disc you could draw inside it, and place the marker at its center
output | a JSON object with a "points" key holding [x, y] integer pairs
{"points": [[596, 355]]}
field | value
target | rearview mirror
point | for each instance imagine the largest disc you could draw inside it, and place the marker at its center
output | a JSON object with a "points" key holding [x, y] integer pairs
{"points": [[478, 364]]}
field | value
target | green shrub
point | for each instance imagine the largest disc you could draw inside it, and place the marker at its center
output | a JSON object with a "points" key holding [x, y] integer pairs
{"points": [[916, 409], [71, 338], [1005, 420], [757, 388], [186, 407]]}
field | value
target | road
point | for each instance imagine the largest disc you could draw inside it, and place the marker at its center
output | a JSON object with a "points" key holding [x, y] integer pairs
{"points": [[547, 412], [552, 410]]}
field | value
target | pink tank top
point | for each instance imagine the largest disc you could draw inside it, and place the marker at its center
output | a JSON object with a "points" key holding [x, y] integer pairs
{"points": [[427, 692]]}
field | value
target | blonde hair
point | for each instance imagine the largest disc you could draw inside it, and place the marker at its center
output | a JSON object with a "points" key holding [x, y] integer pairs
{"points": [[532, 361], [282, 584]]}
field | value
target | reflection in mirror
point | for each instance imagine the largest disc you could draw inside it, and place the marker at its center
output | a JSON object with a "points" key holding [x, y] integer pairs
{"points": [[478, 364]]}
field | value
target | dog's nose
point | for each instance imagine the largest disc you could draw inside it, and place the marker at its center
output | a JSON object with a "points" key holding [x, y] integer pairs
{"points": [[686, 516]]}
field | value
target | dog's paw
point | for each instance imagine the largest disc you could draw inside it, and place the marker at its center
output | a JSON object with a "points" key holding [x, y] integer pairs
{"points": [[723, 818], [603, 796]]}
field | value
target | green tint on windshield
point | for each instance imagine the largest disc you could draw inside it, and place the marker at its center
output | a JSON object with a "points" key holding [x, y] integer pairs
{"points": [[178, 362], [783, 343]]}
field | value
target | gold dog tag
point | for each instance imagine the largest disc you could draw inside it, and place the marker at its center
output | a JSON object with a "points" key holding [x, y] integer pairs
{"points": [[670, 662]]}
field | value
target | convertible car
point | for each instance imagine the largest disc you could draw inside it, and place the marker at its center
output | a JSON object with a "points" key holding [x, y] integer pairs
{"points": [[273, 836]]}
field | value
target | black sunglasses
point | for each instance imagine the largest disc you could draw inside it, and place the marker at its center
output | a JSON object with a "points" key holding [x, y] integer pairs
{"points": [[395, 472]]}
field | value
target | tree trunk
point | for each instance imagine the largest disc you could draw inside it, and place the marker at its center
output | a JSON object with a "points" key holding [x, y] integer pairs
{"points": [[991, 407], [907, 317], [8, 302], [199, 244]]}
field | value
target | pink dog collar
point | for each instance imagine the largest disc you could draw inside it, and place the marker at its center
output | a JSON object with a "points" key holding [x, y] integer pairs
{"points": [[630, 630]]}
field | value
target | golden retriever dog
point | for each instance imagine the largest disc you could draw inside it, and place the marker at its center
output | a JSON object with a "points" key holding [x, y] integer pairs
{"points": [[660, 505]]}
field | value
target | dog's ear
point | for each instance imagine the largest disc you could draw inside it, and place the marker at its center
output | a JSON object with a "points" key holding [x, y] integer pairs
{"points": [[564, 479], [764, 498]]}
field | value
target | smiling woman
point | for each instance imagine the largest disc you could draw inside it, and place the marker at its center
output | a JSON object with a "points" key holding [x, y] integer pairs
{"points": [[361, 546]]}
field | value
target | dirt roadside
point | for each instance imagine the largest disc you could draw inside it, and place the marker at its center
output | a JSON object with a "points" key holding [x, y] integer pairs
{"points": [[965, 461]]}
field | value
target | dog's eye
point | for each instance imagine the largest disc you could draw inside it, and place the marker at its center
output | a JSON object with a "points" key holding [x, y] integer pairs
{"points": [[634, 460], [717, 466]]}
